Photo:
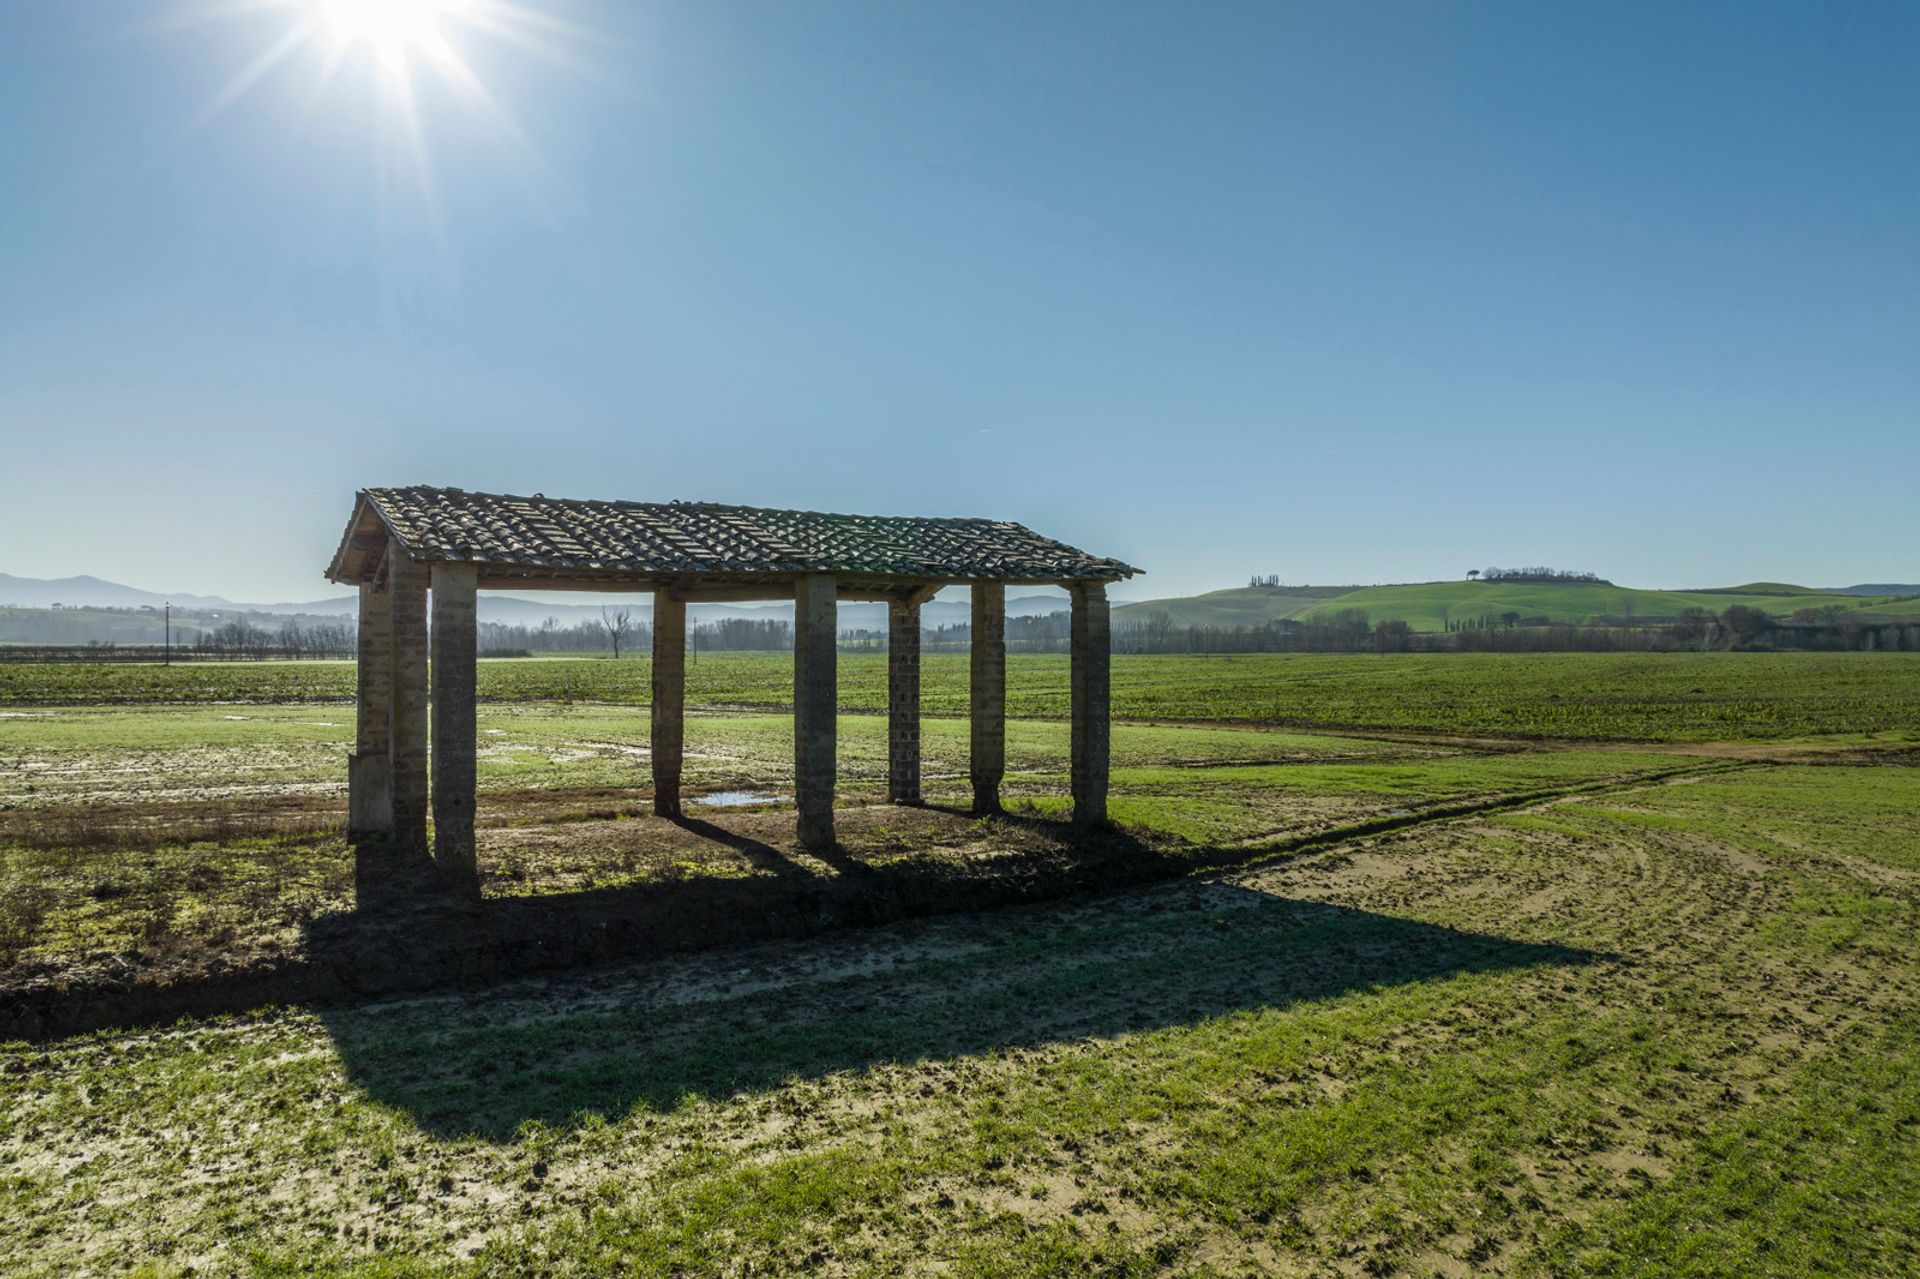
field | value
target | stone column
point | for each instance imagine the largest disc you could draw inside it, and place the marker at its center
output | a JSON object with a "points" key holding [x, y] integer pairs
{"points": [[370, 767], [1092, 724], [987, 756], [407, 584], [903, 700], [815, 636], [455, 744], [667, 745]]}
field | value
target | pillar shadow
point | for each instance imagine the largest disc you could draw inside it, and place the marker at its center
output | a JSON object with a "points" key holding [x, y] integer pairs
{"points": [[760, 854], [607, 1043]]}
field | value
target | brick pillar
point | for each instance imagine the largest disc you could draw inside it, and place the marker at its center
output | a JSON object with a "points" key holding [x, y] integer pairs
{"points": [[903, 701], [407, 584], [987, 756], [668, 743], [815, 626], [370, 768], [1092, 724], [455, 745]]}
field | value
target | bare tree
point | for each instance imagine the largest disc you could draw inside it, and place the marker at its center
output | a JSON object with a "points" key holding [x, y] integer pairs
{"points": [[617, 625], [1745, 624], [1694, 626]]}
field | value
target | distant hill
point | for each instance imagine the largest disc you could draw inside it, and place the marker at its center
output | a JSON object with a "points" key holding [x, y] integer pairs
{"points": [[1430, 606], [1882, 588], [94, 592], [28, 614], [1758, 588], [1426, 606], [1237, 606]]}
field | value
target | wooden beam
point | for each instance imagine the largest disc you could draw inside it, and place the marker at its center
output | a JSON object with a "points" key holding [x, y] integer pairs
{"points": [[668, 741], [721, 587]]}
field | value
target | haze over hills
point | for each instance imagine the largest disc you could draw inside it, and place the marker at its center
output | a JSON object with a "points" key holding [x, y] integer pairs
{"points": [[93, 592], [81, 602], [28, 604], [1878, 588]]}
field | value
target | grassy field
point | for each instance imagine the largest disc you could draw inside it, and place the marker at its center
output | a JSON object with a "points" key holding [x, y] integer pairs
{"points": [[1666, 1031], [1236, 606], [186, 831], [1429, 606], [1669, 697], [1446, 1000]]}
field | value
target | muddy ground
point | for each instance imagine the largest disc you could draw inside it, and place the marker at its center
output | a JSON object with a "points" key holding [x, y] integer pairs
{"points": [[1663, 1029]]}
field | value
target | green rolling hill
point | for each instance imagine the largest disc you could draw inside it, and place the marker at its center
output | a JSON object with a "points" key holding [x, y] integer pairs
{"points": [[1240, 606], [1429, 606]]}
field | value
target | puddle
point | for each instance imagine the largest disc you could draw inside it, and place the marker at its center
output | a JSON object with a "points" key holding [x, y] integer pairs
{"points": [[739, 798]]}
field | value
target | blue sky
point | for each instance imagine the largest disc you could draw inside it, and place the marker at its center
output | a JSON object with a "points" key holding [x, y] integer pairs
{"points": [[1347, 293]]}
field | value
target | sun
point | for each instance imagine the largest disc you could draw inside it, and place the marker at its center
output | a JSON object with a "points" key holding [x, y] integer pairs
{"points": [[417, 50], [416, 45], [392, 29]]}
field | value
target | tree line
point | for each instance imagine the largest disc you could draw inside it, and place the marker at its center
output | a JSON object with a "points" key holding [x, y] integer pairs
{"points": [[1739, 628], [1040, 633], [1831, 628], [1536, 573], [240, 639], [620, 632]]}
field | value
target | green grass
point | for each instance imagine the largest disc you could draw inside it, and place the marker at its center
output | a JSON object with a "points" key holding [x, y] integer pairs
{"points": [[1644, 1012], [176, 830], [1237, 606], [1621, 1039], [72, 755], [1676, 697], [1429, 606]]}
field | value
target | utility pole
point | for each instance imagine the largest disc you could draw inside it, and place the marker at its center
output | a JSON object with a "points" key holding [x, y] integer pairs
{"points": [[167, 652]]}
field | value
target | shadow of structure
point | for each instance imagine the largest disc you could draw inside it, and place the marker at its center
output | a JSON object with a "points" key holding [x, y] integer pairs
{"points": [[408, 934], [605, 1044], [1065, 978]]}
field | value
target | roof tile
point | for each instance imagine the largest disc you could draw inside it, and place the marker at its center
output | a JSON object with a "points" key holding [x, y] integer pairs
{"points": [[445, 525]]}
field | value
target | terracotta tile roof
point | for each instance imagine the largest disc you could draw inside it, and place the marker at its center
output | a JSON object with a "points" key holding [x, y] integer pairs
{"points": [[447, 525]]}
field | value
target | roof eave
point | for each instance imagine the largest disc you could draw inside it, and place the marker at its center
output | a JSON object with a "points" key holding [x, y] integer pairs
{"points": [[343, 571]]}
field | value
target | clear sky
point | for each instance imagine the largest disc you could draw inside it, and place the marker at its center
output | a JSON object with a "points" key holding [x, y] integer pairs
{"points": [[1343, 292]]}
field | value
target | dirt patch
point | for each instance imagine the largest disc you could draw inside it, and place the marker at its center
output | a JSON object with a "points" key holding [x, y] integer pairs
{"points": [[689, 885]]}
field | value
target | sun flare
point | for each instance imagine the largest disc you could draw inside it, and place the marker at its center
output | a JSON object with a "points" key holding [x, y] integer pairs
{"points": [[383, 22], [418, 50]]}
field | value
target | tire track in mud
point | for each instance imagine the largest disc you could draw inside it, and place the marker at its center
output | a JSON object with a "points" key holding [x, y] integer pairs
{"points": [[336, 977], [1005, 996], [1545, 797], [1697, 941]]}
